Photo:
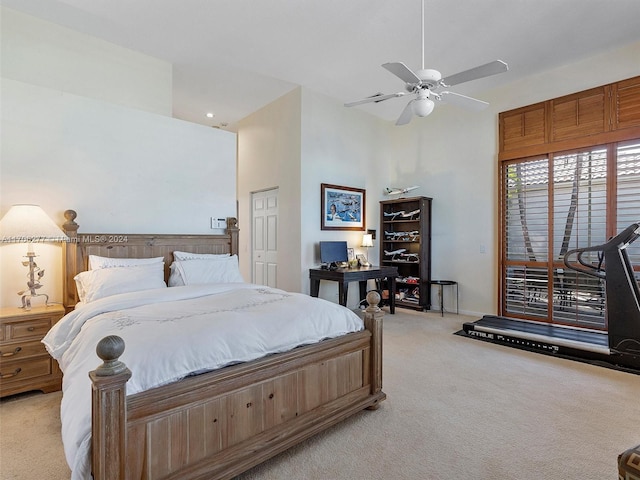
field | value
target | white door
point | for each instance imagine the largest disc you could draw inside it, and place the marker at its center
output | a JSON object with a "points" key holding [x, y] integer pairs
{"points": [[265, 237]]}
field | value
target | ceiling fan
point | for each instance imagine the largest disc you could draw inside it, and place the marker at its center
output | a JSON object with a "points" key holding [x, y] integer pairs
{"points": [[428, 84]]}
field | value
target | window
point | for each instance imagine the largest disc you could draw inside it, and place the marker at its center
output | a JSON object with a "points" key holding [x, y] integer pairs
{"points": [[552, 204]]}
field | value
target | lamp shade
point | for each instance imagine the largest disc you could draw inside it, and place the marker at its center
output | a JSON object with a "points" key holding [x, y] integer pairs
{"points": [[29, 223], [422, 107], [367, 240]]}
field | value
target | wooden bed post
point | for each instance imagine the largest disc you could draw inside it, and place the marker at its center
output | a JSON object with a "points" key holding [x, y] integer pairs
{"points": [[233, 230], [109, 411], [69, 260], [373, 322]]}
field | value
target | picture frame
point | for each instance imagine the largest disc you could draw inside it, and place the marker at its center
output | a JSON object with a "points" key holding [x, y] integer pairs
{"points": [[342, 208], [351, 255], [362, 260]]}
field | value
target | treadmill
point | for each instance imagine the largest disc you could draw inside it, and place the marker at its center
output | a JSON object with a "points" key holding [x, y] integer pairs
{"points": [[618, 347]]}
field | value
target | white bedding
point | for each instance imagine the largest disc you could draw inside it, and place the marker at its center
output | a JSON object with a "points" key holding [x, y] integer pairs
{"points": [[172, 332]]}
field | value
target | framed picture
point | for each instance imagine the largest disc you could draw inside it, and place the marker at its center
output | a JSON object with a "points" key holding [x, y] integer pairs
{"points": [[362, 260], [343, 208], [351, 254]]}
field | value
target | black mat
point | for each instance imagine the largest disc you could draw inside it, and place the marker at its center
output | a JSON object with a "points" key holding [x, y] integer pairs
{"points": [[590, 358]]}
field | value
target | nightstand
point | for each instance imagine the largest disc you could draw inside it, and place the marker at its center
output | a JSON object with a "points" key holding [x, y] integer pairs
{"points": [[25, 364]]}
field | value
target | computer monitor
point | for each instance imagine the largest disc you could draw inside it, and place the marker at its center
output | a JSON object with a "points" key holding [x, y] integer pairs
{"points": [[333, 252]]}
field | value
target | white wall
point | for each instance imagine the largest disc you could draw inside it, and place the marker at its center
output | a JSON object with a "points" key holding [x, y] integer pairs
{"points": [[269, 157], [451, 155], [340, 146], [124, 170], [43, 53]]}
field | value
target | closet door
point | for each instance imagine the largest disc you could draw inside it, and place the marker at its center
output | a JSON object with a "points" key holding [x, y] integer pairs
{"points": [[265, 237]]}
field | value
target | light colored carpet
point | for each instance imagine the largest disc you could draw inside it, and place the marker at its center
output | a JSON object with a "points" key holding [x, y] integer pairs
{"points": [[456, 408]]}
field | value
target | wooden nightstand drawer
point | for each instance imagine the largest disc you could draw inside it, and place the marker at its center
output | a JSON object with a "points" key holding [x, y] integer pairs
{"points": [[19, 371], [28, 329], [20, 351]]}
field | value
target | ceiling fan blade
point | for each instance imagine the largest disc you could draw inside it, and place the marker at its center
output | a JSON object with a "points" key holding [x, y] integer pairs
{"points": [[406, 115], [486, 70], [463, 101], [400, 70], [378, 97]]}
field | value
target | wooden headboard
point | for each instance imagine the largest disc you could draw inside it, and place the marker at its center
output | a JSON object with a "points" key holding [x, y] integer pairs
{"points": [[80, 245]]}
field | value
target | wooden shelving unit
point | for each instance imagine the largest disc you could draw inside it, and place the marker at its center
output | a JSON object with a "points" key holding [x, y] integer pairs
{"points": [[406, 230]]}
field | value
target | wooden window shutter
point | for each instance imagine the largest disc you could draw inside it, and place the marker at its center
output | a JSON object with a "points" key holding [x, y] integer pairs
{"points": [[626, 103], [523, 127], [579, 115]]}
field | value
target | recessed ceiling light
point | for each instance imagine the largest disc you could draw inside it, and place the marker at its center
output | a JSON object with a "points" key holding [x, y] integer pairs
{"points": [[210, 115]]}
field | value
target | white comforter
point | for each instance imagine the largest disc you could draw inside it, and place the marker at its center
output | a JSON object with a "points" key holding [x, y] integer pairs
{"points": [[172, 332]]}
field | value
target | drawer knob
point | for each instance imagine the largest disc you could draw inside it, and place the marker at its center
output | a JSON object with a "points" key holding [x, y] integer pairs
{"points": [[10, 354], [31, 329], [9, 375]]}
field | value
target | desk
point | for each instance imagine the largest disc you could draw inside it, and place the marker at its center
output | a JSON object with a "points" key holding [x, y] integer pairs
{"points": [[360, 274]]}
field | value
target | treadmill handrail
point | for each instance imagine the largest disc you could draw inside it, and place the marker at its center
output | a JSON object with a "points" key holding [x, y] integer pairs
{"points": [[622, 240]]}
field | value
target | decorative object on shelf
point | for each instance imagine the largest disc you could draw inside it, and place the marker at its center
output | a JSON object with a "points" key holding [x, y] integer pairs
{"points": [[30, 224], [342, 208], [399, 191], [367, 242]]}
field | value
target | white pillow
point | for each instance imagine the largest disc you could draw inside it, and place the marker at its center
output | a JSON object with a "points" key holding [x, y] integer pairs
{"points": [[104, 282], [96, 262], [175, 277], [177, 255], [194, 272]]}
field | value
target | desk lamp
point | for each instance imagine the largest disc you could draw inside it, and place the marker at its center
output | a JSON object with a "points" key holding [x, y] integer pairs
{"points": [[367, 242], [30, 224]]}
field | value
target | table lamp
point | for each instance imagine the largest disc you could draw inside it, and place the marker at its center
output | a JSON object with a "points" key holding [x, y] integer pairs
{"points": [[367, 242], [30, 224]]}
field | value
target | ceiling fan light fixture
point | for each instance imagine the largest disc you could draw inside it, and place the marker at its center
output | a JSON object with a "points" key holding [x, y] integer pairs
{"points": [[422, 107]]}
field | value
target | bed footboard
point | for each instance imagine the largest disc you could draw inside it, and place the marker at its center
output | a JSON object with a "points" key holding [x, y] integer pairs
{"points": [[219, 424]]}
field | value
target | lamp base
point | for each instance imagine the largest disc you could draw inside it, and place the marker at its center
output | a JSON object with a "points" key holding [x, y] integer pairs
{"points": [[26, 299], [33, 283]]}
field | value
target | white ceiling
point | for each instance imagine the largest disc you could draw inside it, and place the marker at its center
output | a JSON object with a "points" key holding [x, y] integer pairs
{"points": [[232, 57]]}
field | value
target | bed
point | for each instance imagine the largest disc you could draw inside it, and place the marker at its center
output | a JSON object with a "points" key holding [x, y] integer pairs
{"points": [[212, 422]]}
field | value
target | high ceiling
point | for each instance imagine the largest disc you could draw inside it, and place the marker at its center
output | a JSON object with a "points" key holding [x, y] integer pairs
{"points": [[231, 57]]}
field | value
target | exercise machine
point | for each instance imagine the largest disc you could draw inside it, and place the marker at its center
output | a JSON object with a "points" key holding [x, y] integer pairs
{"points": [[618, 347]]}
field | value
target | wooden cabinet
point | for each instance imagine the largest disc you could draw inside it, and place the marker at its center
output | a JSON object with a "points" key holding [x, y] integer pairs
{"points": [[406, 244], [25, 364]]}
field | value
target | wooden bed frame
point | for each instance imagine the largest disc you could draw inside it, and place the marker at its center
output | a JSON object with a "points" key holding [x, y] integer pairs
{"points": [[218, 424]]}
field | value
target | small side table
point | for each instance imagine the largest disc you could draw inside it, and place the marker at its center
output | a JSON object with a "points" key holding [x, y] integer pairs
{"points": [[441, 284], [25, 364]]}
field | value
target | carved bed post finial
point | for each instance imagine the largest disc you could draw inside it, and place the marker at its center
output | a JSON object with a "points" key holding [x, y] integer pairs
{"points": [[109, 411], [373, 316], [109, 349], [233, 231], [70, 224], [373, 299]]}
